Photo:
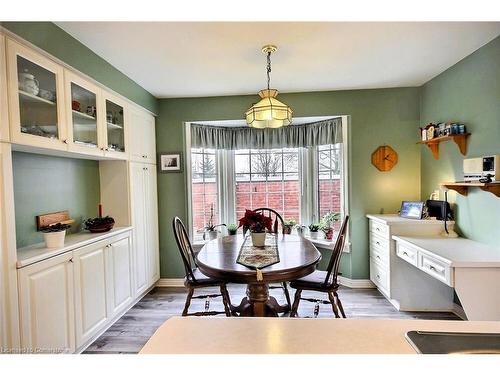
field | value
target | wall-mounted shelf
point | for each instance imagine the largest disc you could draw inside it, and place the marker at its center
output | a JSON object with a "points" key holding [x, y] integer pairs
{"points": [[459, 139], [463, 187]]}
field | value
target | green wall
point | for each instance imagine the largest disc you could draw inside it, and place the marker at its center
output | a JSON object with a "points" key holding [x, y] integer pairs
{"points": [[44, 184], [60, 44], [468, 92], [384, 116]]}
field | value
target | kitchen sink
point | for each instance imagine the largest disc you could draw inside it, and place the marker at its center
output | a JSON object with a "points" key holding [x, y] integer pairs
{"points": [[426, 342]]}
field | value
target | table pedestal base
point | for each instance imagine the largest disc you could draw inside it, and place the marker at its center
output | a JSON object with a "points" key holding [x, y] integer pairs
{"points": [[258, 302]]}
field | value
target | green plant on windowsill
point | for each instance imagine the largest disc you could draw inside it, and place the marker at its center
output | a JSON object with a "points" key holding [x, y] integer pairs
{"points": [[288, 225], [326, 223], [210, 231], [232, 229], [314, 230]]}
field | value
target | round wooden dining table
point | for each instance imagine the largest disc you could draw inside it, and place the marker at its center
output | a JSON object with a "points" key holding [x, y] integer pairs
{"points": [[298, 257]]}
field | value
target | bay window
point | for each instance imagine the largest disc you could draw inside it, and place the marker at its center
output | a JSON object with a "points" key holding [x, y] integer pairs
{"points": [[302, 183]]}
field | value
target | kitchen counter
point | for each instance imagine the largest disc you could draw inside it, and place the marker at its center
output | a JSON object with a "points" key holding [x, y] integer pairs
{"points": [[197, 335], [38, 252], [392, 219]]}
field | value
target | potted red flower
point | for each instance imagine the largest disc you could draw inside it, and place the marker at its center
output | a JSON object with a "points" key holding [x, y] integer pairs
{"points": [[257, 224]]}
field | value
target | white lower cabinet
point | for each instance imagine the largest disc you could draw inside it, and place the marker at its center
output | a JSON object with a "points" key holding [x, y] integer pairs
{"points": [[69, 300], [47, 305], [90, 291], [119, 284]]}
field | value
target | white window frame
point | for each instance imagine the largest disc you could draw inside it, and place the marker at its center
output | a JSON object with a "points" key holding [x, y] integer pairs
{"points": [[309, 185]]}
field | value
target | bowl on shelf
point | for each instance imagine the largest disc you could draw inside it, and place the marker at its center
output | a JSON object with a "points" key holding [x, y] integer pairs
{"points": [[99, 224]]}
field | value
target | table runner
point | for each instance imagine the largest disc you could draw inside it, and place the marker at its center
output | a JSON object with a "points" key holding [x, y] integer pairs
{"points": [[259, 257]]}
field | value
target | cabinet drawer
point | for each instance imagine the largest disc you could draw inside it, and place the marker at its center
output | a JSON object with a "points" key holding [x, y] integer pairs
{"points": [[380, 229], [379, 241], [379, 254], [379, 275], [407, 253], [436, 268]]}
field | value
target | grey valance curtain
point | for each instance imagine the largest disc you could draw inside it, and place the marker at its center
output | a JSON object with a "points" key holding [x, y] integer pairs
{"points": [[236, 138]]}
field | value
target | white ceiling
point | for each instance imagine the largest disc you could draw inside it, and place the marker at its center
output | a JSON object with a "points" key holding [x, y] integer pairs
{"points": [[182, 59]]}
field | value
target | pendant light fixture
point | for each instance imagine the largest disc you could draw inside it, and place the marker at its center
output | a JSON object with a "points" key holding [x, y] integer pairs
{"points": [[269, 112]]}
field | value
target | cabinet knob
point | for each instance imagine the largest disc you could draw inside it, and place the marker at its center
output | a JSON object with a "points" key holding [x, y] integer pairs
{"points": [[71, 260], [65, 141]]}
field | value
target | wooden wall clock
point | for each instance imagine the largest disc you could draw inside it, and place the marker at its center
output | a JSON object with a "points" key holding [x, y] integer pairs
{"points": [[384, 158]]}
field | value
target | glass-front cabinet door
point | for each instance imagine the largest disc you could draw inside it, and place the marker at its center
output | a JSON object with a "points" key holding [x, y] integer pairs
{"points": [[35, 98], [116, 121], [84, 123]]}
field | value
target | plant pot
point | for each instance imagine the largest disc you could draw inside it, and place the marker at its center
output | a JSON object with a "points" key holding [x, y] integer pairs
{"points": [[232, 232], [210, 235], [259, 239], [54, 239], [316, 235], [300, 231], [101, 228], [287, 229], [329, 233]]}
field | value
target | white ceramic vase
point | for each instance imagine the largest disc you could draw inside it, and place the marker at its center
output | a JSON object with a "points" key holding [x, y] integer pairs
{"points": [[316, 235], [54, 239], [259, 239]]}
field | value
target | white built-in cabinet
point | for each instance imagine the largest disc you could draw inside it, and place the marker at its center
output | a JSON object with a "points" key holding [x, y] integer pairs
{"points": [[47, 309], [144, 204], [142, 137], [56, 108], [47, 107], [69, 300]]}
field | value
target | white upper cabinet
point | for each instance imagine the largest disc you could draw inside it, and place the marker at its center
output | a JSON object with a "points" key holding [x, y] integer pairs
{"points": [[36, 99], [114, 131], [84, 116], [142, 137], [4, 111]]}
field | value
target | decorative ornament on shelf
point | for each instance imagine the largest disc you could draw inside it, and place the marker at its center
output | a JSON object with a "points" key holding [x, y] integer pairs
{"points": [[269, 112], [257, 224], [384, 158], [99, 224]]}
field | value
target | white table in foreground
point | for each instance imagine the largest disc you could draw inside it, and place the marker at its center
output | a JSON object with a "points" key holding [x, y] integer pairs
{"points": [[470, 267], [180, 335]]}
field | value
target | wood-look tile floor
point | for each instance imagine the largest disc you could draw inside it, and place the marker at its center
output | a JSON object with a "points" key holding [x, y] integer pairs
{"points": [[132, 331]]}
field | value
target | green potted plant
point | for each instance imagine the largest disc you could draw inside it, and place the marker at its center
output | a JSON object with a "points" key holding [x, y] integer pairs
{"points": [[326, 223], [314, 230], [288, 225], [210, 231], [54, 235], [257, 224], [300, 229], [232, 229]]}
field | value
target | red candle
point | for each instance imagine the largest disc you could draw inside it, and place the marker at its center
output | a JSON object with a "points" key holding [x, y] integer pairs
{"points": [[100, 210]]}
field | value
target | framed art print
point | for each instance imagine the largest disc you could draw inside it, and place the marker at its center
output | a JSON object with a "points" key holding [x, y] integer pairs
{"points": [[411, 210], [171, 162]]}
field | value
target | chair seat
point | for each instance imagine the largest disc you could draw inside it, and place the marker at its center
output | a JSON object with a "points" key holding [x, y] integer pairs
{"points": [[202, 280], [313, 281]]}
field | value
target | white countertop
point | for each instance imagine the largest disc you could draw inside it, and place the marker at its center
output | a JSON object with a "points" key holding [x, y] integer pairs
{"points": [[391, 219], [35, 253], [458, 252], [202, 335]]}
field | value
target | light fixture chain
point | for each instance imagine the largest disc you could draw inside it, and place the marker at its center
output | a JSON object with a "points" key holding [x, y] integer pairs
{"points": [[268, 69]]}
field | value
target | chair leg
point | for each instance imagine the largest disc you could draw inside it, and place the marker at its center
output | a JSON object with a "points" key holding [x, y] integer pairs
{"points": [[188, 301], [296, 301], [331, 297], [287, 294], [225, 299], [340, 304]]}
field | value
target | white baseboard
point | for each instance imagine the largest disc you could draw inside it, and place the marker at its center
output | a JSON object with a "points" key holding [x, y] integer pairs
{"points": [[350, 283], [170, 283]]}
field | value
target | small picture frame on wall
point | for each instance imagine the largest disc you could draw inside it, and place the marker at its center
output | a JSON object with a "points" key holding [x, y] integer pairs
{"points": [[411, 210], [170, 162]]}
